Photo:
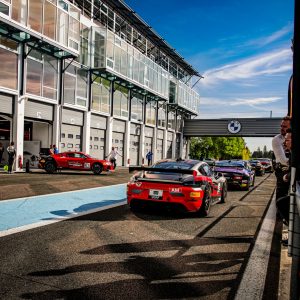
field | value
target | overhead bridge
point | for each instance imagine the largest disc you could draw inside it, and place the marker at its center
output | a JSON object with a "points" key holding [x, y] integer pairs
{"points": [[244, 127]]}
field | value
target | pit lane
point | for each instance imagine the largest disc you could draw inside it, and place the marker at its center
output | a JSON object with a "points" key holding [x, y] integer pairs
{"points": [[116, 254]]}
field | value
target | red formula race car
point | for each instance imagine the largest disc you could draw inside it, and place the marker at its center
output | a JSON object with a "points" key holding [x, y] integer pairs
{"points": [[75, 161], [188, 184]]}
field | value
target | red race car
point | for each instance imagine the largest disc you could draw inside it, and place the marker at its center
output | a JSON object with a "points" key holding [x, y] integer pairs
{"points": [[76, 161], [188, 184]]}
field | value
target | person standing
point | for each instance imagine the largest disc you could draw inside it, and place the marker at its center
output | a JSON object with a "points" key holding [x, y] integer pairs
{"points": [[11, 156], [282, 161], [51, 151], [55, 149], [113, 155], [149, 156], [1, 152]]}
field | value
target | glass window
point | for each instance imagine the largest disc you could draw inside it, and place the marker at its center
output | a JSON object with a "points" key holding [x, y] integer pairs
{"points": [[63, 5], [84, 42], [35, 13], [34, 77], [70, 146], [63, 135], [151, 113], [4, 9], [137, 107], [50, 77], [69, 88], [9, 69], [49, 20], [162, 116], [19, 11], [120, 101], [171, 120], [62, 27], [74, 33], [70, 136], [81, 83]]}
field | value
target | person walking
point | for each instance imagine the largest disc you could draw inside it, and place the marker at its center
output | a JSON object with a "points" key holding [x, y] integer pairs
{"points": [[1, 152], [149, 156], [113, 155], [11, 156], [282, 160]]}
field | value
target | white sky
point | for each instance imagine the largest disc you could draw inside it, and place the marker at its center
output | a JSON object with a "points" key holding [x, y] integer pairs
{"points": [[254, 143]]}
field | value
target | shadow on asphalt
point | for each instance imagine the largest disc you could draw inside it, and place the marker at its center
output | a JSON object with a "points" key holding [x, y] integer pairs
{"points": [[162, 277]]}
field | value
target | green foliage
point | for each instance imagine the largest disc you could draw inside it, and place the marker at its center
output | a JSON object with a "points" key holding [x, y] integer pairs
{"points": [[217, 147]]}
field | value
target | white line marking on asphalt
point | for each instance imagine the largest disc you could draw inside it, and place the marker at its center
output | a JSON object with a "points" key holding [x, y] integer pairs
{"points": [[253, 281], [44, 223]]}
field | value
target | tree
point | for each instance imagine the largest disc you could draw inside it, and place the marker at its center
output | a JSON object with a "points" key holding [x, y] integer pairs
{"points": [[217, 147]]}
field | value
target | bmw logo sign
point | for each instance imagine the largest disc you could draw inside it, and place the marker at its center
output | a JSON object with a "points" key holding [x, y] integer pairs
{"points": [[234, 126]]}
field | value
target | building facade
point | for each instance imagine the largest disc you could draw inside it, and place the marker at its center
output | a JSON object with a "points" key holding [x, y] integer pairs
{"points": [[87, 75]]}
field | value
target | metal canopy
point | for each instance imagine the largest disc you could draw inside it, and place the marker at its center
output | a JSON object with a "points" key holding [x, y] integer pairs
{"points": [[183, 110], [132, 18], [19, 35], [107, 74]]}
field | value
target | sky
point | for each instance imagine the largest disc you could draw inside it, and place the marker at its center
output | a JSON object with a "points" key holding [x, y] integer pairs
{"points": [[241, 47]]}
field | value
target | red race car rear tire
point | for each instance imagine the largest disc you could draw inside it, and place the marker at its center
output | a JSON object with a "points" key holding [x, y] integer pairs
{"points": [[205, 207], [50, 167]]}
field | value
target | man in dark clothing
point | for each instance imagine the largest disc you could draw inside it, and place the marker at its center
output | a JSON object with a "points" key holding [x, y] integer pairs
{"points": [[283, 203], [149, 156], [282, 161], [11, 156]]}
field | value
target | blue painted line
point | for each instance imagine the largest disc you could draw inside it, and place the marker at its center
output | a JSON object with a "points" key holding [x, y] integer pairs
{"points": [[25, 211]]}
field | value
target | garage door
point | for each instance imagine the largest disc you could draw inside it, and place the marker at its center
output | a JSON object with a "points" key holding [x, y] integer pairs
{"points": [[71, 138], [134, 149], [118, 143], [97, 143], [6, 104], [38, 110], [159, 149]]}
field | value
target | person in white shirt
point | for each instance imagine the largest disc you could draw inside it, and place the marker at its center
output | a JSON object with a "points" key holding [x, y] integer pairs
{"points": [[113, 155], [282, 161]]}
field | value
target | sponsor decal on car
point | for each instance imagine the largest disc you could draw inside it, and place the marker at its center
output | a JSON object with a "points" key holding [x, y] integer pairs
{"points": [[87, 165], [75, 164], [175, 190]]}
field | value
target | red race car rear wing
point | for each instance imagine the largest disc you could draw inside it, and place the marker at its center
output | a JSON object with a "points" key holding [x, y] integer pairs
{"points": [[162, 170]]}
